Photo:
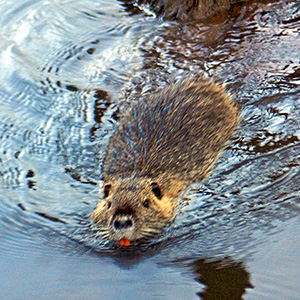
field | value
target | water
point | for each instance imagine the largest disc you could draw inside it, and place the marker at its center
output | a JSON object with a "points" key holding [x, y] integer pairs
{"points": [[68, 71]]}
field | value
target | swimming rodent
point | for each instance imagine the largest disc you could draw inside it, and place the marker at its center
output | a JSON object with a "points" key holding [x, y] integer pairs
{"points": [[164, 142], [193, 9], [186, 9]]}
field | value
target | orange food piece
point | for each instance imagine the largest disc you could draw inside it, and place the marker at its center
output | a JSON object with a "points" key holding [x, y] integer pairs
{"points": [[124, 242]]}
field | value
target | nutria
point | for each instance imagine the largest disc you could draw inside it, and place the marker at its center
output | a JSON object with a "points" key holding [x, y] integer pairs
{"points": [[187, 9], [165, 142], [193, 9]]}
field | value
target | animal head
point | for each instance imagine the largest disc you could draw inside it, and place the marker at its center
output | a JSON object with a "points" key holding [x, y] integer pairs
{"points": [[133, 209]]}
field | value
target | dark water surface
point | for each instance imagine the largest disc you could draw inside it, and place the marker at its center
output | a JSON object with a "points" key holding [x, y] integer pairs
{"points": [[68, 70]]}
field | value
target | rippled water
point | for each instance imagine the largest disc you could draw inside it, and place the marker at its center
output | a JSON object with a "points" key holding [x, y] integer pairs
{"points": [[68, 71]]}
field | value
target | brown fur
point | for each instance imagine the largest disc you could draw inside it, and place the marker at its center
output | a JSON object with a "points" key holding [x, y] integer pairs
{"points": [[218, 10], [186, 9], [164, 143]]}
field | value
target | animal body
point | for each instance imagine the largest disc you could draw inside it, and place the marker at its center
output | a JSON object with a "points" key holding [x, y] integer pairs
{"points": [[164, 142], [187, 10]]}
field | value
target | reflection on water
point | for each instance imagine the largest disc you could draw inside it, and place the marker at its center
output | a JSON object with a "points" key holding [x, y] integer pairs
{"points": [[69, 69], [222, 279]]}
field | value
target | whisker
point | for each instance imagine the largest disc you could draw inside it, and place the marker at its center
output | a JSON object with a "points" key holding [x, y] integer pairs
{"points": [[102, 232], [149, 232]]}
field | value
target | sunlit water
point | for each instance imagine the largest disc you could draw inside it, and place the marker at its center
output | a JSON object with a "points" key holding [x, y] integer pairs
{"points": [[68, 71]]}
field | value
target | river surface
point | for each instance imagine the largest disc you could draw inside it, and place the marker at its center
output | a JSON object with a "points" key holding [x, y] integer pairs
{"points": [[69, 69]]}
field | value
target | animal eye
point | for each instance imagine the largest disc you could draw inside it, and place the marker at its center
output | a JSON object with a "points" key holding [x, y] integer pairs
{"points": [[156, 190], [146, 203], [108, 204], [106, 190]]}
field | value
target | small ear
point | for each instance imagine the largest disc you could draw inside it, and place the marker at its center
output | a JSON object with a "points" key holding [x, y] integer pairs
{"points": [[106, 190], [156, 190]]}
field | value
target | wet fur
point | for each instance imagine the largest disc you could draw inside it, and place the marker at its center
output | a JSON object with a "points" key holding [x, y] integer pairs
{"points": [[164, 143], [187, 9]]}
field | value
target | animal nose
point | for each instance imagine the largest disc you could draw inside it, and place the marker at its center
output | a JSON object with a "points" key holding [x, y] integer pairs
{"points": [[123, 222]]}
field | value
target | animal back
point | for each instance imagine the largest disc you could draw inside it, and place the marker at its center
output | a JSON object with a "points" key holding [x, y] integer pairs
{"points": [[179, 131]]}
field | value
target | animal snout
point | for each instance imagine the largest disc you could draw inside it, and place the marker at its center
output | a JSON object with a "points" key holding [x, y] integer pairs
{"points": [[123, 222]]}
